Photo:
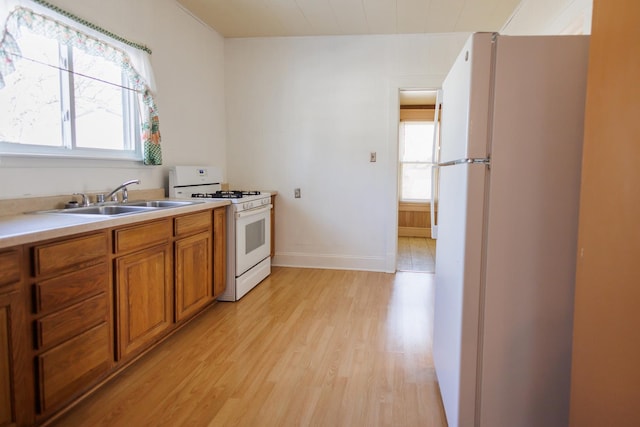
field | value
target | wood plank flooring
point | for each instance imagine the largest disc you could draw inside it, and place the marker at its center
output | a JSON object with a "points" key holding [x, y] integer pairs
{"points": [[416, 254], [306, 347]]}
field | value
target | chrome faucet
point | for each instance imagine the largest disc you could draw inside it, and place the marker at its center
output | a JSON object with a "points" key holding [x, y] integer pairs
{"points": [[125, 194], [85, 199]]}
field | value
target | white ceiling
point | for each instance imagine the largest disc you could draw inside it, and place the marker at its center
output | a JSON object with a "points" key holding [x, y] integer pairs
{"points": [[272, 18]]}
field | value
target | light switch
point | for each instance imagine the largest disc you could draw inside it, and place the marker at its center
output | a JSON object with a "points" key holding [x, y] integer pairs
{"points": [[372, 158]]}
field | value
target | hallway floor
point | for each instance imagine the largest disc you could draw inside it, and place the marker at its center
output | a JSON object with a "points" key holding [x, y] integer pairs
{"points": [[416, 254]]}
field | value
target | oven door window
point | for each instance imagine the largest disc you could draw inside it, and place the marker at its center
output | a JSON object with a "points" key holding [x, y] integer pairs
{"points": [[254, 236]]}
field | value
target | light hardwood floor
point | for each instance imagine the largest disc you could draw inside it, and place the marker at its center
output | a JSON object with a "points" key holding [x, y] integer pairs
{"points": [[306, 347], [416, 254]]}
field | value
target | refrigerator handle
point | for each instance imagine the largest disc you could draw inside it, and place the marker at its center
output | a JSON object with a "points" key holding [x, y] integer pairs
{"points": [[435, 158]]}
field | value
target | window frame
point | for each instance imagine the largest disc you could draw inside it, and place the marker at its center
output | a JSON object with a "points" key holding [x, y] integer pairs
{"points": [[131, 121]]}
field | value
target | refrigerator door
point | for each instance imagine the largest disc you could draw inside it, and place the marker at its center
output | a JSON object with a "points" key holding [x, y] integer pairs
{"points": [[458, 282], [465, 102], [461, 208]]}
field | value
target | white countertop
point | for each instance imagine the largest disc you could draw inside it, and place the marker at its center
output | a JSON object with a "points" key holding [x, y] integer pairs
{"points": [[32, 227]]}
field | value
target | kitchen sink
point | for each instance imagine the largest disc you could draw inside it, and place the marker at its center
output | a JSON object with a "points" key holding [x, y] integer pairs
{"points": [[106, 210], [123, 209], [163, 203]]}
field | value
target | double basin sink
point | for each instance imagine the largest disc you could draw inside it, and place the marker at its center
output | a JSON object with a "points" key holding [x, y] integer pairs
{"points": [[124, 209]]}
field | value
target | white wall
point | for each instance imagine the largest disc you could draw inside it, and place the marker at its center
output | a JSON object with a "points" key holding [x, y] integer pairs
{"points": [[306, 112], [539, 17], [189, 69]]}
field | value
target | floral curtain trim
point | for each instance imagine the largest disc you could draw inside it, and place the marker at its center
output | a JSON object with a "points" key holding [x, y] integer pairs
{"points": [[91, 25], [152, 153], [69, 36]]}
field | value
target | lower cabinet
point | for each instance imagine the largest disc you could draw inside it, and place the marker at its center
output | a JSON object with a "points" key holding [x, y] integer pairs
{"points": [[192, 274], [7, 378], [16, 396], [6, 410], [10, 278], [144, 289], [74, 310]]}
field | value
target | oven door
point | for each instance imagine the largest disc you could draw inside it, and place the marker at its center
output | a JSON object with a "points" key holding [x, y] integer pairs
{"points": [[253, 237]]}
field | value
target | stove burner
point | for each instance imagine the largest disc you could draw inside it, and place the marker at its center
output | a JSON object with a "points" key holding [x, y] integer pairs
{"points": [[234, 194]]}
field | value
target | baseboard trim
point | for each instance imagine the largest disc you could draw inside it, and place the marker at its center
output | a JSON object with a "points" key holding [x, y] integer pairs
{"points": [[414, 232], [329, 261]]}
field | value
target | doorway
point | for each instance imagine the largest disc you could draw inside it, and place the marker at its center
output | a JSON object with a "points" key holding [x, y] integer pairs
{"points": [[416, 248]]}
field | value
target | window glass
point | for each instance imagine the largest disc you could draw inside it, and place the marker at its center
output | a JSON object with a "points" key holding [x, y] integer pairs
{"points": [[418, 140], [416, 180], [31, 99], [99, 106], [416, 143]]}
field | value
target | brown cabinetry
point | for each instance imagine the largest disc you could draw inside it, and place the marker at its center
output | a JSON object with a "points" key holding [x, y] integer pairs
{"points": [[193, 264], [7, 360], [14, 400], [66, 369], [6, 371], [10, 272], [10, 344], [72, 322], [219, 251], [143, 285], [75, 310]]}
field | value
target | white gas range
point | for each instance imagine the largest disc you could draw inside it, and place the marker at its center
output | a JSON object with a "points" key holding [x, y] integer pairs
{"points": [[248, 225]]}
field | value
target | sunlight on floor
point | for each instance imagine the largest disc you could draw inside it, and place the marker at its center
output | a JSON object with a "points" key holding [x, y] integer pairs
{"points": [[416, 254]]}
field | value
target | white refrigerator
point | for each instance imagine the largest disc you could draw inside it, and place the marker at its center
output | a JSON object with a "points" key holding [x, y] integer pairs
{"points": [[509, 155]]}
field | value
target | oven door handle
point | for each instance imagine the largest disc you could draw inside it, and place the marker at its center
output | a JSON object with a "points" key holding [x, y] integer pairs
{"points": [[252, 212]]}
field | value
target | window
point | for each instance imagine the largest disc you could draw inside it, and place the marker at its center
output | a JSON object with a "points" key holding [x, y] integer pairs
{"points": [[74, 91], [416, 143], [49, 110]]}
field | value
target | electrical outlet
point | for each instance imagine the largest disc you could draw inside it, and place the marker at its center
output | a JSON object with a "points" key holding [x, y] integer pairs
{"points": [[372, 158], [296, 193]]}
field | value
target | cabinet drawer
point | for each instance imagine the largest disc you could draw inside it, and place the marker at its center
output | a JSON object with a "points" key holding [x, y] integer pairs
{"points": [[55, 293], [72, 321], [142, 236], [194, 222], [77, 252], [70, 368], [9, 267]]}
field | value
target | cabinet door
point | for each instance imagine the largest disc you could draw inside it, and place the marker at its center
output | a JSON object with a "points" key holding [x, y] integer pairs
{"points": [[219, 251], [193, 274], [14, 392], [144, 298], [6, 372]]}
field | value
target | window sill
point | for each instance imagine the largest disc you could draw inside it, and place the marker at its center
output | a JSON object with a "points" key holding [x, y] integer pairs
{"points": [[9, 160]]}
